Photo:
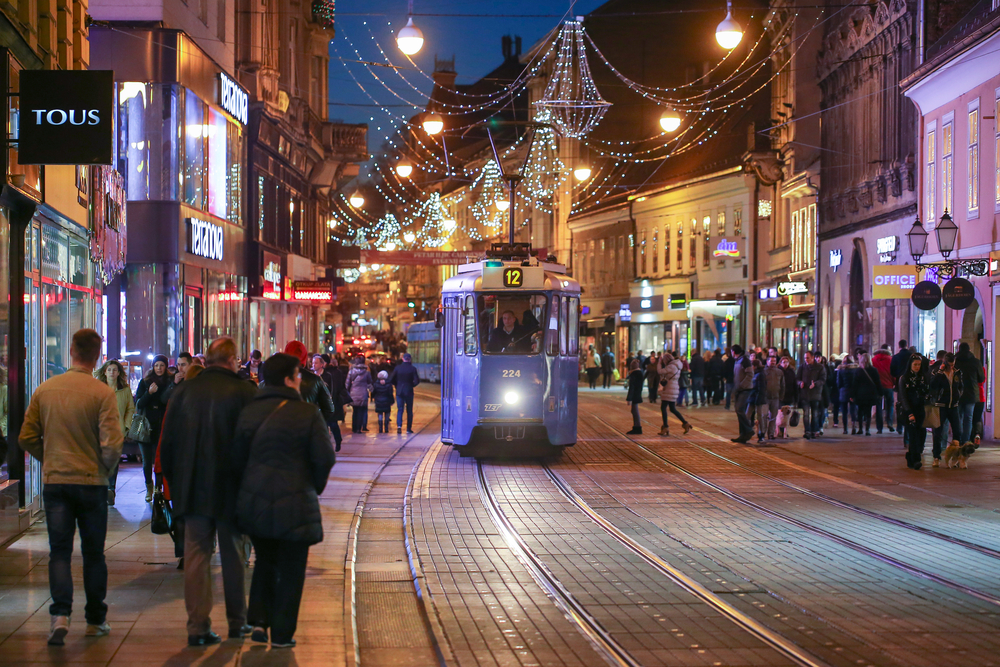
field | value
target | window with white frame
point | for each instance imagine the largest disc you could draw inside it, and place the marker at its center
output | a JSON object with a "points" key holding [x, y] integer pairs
{"points": [[973, 174], [706, 230], [693, 245], [666, 248], [947, 166], [655, 253], [721, 226], [930, 185], [642, 252]]}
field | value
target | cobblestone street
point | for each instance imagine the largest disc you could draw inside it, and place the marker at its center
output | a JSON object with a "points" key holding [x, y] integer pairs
{"points": [[634, 550]]}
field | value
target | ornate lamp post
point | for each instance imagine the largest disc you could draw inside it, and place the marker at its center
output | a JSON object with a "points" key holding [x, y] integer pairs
{"points": [[947, 234]]}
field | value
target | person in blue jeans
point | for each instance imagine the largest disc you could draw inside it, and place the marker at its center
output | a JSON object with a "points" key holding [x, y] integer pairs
{"points": [[972, 375], [73, 427], [404, 378]]}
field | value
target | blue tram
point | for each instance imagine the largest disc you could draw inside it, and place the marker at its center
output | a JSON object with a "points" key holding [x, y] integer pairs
{"points": [[423, 342], [509, 355]]}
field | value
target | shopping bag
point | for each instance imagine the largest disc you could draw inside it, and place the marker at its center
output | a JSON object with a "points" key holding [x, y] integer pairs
{"points": [[932, 416], [794, 419], [616, 375]]}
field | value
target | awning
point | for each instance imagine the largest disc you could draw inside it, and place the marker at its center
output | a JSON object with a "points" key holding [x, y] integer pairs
{"points": [[784, 321]]}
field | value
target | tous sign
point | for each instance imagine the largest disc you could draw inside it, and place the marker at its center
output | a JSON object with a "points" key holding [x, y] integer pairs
{"points": [[66, 117], [205, 239], [233, 98]]}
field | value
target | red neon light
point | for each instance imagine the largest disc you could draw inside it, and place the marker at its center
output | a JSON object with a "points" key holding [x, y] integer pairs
{"points": [[312, 295], [272, 295]]}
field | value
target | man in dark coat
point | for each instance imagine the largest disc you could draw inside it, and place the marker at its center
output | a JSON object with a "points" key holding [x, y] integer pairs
{"points": [[607, 367], [728, 373], [314, 390], [742, 385], [697, 366], [195, 453], [811, 379], [404, 378], [282, 455], [713, 377], [897, 367], [972, 375]]}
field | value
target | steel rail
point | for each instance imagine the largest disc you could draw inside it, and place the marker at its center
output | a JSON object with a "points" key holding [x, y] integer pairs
{"points": [[569, 605], [777, 641], [815, 530]]}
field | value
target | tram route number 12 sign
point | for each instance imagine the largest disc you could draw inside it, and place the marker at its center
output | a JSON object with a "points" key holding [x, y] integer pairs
{"points": [[513, 277]]}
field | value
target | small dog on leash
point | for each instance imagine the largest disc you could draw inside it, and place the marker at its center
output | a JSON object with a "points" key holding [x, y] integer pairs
{"points": [[956, 455], [781, 421]]}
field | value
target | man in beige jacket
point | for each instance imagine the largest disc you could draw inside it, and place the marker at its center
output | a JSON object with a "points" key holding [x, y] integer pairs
{"points": [[72, 426]]}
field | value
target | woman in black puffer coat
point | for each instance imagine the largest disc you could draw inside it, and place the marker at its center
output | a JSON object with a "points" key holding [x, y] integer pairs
{"points": [[282, 454]]}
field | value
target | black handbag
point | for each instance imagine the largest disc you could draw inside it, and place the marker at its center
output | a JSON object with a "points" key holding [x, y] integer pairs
{"points": [[163, 519], [793, 421]]}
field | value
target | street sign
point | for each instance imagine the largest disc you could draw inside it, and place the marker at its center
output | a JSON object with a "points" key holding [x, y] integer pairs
{"points": [[66, 117], [958, 294], [926, 295]]}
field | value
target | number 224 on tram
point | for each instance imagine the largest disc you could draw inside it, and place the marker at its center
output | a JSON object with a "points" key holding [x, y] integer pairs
{"points": [[509, 357]]}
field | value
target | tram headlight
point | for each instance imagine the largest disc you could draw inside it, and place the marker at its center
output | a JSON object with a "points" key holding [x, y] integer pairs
{"points": [[511, 397]]}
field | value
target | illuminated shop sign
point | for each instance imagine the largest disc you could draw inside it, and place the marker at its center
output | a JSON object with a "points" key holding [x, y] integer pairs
{"points": [[625, 313], [205, 239], [233, 98], [886, 248], [312, 290], [272, 281], [678, 302], [836, 259], [728, 246], [66, 117], [767, 293], [893, 282], [790, 288]]}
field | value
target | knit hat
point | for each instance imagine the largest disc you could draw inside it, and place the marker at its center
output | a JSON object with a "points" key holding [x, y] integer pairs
{"points": [[297, 349], [382, 375], [161, 357]]}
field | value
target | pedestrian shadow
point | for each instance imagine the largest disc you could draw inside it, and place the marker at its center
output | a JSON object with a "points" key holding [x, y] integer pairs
{"points": [[225, 654], [259, 656]]}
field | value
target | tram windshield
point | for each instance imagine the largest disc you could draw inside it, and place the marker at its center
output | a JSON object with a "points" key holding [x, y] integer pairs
{"points": [[510, 323]]}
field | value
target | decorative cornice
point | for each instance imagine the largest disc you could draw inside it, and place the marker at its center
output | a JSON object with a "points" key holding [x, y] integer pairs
{"points": [[857, 30]]}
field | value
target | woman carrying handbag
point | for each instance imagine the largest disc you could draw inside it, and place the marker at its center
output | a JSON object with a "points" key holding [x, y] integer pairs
{"points": [[865, 392]]}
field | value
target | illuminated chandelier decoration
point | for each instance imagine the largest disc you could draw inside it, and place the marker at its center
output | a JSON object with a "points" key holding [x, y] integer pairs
{"points": [[571, 97], [492, 189]]}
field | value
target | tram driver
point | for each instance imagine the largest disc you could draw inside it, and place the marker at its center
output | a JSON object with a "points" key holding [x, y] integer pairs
{"points": [[503, 338]]}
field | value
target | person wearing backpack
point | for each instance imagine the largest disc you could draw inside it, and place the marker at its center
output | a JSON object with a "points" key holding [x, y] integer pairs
{"points": [[774, 391]]}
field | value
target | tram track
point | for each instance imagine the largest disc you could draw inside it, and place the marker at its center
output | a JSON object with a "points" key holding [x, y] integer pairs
{"points": [[383, 585], [822, 532], [577, 612]]}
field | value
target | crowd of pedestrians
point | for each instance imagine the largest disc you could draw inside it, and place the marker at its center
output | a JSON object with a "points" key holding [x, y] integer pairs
{"points": [[235, 454]]}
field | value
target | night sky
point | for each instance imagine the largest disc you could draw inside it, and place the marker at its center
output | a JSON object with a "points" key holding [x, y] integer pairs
{"points": [[473, 40]]}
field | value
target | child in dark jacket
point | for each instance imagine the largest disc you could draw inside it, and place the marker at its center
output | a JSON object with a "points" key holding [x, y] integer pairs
{"points": [[383, 396]]}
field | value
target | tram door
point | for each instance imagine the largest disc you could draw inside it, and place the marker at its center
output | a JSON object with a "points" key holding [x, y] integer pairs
{"points": [[448, 342]]}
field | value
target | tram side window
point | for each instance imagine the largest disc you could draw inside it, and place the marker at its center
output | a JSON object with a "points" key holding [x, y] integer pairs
{"points": [[471, 347], [510, 323], [563, 329], [552, 341], [573, 326]]}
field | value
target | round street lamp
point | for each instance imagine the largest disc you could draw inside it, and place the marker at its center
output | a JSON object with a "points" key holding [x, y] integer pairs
{"points": [[502, 204], [404, 168], [947, 234], [582, 172], [433, 123], [410, 40], [670, 120], [357, 200], [729, 33], [917, 236]]}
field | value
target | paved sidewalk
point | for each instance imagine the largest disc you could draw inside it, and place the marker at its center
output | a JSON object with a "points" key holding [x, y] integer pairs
{"points": [[145, 590]]}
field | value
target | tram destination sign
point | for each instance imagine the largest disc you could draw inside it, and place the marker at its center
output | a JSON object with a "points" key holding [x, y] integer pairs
{"points": [[65, 117]]}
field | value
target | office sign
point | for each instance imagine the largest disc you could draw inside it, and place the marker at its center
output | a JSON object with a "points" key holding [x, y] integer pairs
{"points": [[925, 295], [66, 117], [312, 290], [234, 99], [205, 239], [893, 282], [727, 246], [958, 294], [792, 287]]}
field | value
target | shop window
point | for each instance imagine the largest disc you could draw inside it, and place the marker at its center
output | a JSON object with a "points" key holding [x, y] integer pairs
{"points": [[149, 140], [195, 130]]}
